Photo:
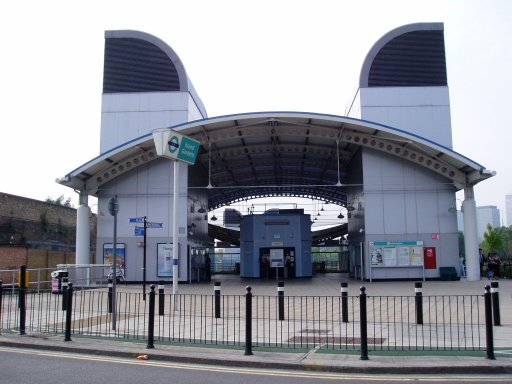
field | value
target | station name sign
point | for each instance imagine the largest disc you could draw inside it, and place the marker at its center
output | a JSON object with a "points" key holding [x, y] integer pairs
{"points": [[175, 146]]}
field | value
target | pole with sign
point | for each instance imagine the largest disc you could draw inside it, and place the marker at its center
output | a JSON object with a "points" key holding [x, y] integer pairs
{"points": [[175, 248], [178, 147], [113, 208], [144, 262], [142, 231]]}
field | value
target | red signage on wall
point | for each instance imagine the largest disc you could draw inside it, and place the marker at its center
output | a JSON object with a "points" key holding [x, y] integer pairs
{"points": [[429, 256]]}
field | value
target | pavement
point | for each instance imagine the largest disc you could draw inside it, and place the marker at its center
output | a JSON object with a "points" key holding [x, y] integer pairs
{"points": [[395, 362]]}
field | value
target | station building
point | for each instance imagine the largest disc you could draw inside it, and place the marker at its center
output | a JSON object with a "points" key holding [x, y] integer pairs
{"points": [[390, 164]]}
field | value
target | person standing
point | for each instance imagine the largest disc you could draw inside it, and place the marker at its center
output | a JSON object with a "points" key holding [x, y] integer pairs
{"points": [[482, 261], [462, 266], [208, 268], [490, 266], [497, 264]]}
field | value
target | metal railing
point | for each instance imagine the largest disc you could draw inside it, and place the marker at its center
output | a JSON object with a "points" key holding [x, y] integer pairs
{"points": [[377, 323], [87, 275], [38, 279]]}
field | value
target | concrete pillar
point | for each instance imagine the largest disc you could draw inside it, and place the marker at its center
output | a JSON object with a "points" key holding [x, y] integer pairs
{"points": [[83, 231], [470, 235]]}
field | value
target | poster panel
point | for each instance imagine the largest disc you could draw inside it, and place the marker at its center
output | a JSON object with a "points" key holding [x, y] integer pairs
{"points": [[416, 256], [390, 256], [108, 253], [164, 260], [404, 257], [376, 255]]}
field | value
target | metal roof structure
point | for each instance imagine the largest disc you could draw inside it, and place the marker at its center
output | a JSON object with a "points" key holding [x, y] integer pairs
{"points": [[280, 154], [317, 237]]}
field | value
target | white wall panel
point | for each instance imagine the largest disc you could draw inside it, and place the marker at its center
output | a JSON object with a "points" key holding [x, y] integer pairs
{"points": [[178, 117], [423, 111], [179, 101], [411, 213], [403, 198], [374, 210], [160, 101], [110, 102], [130, 115], [127, 127], [159, 119], [108, 132], [128, 102], [427, 209]]}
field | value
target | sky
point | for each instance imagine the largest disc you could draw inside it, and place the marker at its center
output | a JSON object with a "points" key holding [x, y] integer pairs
{"points": [[241, 56]]}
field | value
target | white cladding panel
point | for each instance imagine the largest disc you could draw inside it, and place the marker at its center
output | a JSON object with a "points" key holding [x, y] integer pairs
{"points": [[145, 191], [193, 110], [403, 198], [423, 111], [126, 116]]}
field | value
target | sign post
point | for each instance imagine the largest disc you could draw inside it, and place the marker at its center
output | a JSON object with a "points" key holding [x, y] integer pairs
{"points": [[113, 208], [142, 231], [178, 147], [175, 248], [144, 261]]}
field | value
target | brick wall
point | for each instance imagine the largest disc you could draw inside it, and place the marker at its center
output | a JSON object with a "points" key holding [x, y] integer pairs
{"points": [[29, 209], [38, 224], [12, 258]]}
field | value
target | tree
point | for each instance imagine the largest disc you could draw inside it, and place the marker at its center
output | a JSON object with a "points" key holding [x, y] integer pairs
{"points": [[60, 201], [506, 240], [493, 241]]}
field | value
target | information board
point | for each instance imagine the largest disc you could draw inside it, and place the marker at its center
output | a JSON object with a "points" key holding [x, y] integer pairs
{"points": [[276, 258], [396, 254]]}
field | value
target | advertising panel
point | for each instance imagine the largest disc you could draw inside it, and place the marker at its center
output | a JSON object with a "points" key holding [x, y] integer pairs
{"points": [[108, 253], [164, 260]]}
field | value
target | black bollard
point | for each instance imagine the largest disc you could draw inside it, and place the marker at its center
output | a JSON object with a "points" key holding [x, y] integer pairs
{"points": [[216, 289], [248, 321], [109, 295], [418, 289], [280, 299], [64, 286], [344, 302], [69, 312], [495, 303], [151, 318], [488, 323], [21, 301], [161, 298], [364, 324]]}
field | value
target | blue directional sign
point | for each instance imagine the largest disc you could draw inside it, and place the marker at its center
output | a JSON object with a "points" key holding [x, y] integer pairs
{"points": [[154, 225], [139, 231], [136, 219]]}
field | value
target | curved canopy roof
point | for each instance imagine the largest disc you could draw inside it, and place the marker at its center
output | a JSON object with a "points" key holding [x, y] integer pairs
{"points": [[280, 154]]}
